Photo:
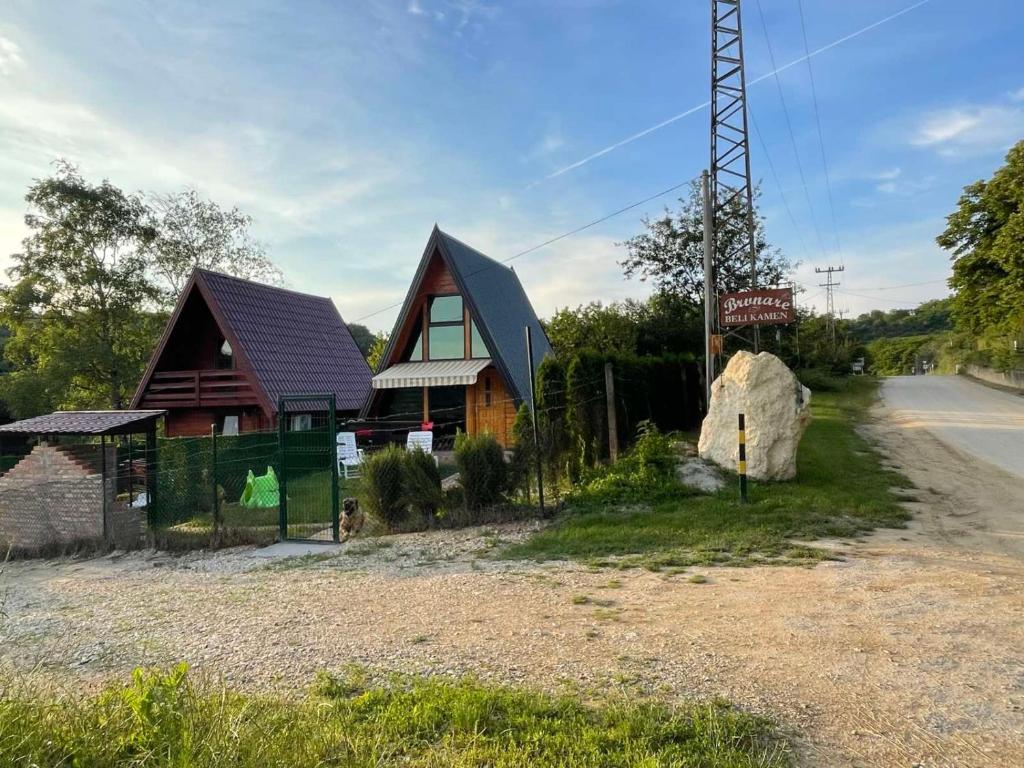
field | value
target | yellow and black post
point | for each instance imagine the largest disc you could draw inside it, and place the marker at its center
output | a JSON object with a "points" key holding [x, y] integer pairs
{"points": [[743, 460]]}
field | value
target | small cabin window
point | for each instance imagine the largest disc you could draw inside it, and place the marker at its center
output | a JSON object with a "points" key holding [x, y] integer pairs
{"points": [[446, 339], [487, 392], [477, 345], [302, 422], [225, 356]]}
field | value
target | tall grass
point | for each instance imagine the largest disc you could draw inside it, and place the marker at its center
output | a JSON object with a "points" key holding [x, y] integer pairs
{"points": [[163, 719]]}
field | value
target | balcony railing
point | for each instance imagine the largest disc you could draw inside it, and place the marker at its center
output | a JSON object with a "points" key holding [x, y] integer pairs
{"points": [[198, 389]]}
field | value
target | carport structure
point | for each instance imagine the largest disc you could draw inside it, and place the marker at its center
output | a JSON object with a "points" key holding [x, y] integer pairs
{"points": [[52, 495]]}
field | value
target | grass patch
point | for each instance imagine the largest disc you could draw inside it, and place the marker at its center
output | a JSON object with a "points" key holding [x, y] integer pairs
{"points": [[165, 720], [841, 491]]}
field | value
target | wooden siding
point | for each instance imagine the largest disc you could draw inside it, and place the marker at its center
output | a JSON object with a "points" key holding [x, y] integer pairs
{"points": [[496, 418]]}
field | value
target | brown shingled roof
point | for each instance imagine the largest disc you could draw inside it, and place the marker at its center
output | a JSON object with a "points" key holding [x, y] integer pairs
{"points": [[293, 343]]}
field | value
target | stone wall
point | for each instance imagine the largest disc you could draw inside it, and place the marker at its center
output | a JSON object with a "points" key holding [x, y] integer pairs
{"points": [[1013, 379], [54, 498]]}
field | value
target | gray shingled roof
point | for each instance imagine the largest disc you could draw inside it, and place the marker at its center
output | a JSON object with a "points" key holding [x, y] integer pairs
{"points": [[295, 343], [498, 301], [85, 423]]}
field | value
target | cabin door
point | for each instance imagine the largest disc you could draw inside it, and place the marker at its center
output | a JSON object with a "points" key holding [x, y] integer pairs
{"points": [[490, 402]]}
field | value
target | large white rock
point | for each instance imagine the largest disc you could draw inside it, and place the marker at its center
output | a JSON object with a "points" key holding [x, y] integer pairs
{"points": [[777, 410]]}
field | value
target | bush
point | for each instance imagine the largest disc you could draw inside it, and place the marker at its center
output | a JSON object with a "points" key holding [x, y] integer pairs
{"points": [[818, 380], [482, 470], [422, 484], [382, 485], [646, 472]]}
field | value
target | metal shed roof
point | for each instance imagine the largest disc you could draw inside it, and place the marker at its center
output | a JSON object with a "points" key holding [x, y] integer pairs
{"points": [[85, 423]]}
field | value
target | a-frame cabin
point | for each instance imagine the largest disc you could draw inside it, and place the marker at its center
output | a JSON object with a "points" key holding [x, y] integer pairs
{"points": [[232, 347], [456, 358]]}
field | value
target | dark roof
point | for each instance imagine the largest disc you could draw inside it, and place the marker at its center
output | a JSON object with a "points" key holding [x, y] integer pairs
{"points": [[501, 308], [85, 423], [293, 343], [496, 301]]}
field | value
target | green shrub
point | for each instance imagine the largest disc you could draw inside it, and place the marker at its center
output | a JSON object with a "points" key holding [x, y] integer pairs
{"points": [[382, 487], [818, 380], [482, 469], [522, 468], [646, 472], [422, 484]]}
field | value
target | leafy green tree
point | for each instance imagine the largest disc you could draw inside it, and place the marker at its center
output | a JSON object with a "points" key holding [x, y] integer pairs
{"points": [[363, 337], [670, 253], [594, 326], [76, 309], [985, 234], [376, 352], [193, 232]]}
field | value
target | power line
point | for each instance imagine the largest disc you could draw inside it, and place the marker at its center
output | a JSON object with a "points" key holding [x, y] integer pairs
{"points": [[755, 81], [821, 134], [789, 128], [551, 241], [778, 184]]}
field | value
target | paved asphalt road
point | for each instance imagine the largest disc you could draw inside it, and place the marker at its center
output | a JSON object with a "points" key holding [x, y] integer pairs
{"points": [[984, 422]]}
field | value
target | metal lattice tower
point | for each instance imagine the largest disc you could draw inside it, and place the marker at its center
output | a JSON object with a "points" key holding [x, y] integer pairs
{"points": [[730, 139], [830, 300]]}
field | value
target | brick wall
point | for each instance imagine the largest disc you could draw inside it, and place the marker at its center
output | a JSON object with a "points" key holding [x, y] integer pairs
{"points": [[54, 498]]}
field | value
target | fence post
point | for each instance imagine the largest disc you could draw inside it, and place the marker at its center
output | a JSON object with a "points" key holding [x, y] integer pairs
{"points": [[743, 460], [335, 520], [282, 481], [213, 478], [609, 400]]}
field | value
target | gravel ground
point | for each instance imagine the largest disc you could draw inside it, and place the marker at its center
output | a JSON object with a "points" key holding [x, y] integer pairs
{"points": [[908, 651]]}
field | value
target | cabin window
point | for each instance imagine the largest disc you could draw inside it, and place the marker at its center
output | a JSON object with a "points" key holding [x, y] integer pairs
{"points": [[302, 422], [487, 392], [446, 309], [446, 339], [225, 356], [477, 345], [414, 347]]}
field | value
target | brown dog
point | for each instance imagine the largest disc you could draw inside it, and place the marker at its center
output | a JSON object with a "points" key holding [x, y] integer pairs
{"points": [[352, 518]]}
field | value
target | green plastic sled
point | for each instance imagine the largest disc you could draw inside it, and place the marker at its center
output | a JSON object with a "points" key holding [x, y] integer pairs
{"points": [[262, 491]]}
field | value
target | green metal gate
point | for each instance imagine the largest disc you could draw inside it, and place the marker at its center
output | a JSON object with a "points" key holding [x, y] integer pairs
{"points": [[308, 468]]}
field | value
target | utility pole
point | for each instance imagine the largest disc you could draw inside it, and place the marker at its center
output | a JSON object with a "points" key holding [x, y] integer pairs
{"points": [[732, 193], [709, 286], [830, 300]]}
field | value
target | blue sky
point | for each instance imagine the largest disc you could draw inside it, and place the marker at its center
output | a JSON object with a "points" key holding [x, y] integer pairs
{"points": [[346, 129]]}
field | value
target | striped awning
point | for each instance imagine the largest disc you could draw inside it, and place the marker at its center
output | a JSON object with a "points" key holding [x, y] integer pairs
{"points": [[434, 373]]}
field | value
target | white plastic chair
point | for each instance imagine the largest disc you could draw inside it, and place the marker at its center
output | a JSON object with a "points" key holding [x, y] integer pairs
{"points": [[349, 456], [421, 441]]}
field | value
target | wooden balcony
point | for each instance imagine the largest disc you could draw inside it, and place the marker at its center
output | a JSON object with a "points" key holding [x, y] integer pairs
{"points": [[198, 389]]}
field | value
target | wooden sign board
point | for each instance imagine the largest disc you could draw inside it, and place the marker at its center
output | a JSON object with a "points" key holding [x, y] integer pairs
{"points": [[765, 306]]}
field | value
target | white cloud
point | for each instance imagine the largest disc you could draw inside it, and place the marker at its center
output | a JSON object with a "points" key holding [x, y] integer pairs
{"points": [[1017, 95], [10, 56], [888, 174], [415, 8], [969, 130]]}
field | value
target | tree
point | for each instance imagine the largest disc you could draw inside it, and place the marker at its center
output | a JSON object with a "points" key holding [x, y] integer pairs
{"points": [[193, 232], [362, 336], [80, 332], [593, 326], [986, 237], [373, 357], [671, 252]]}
